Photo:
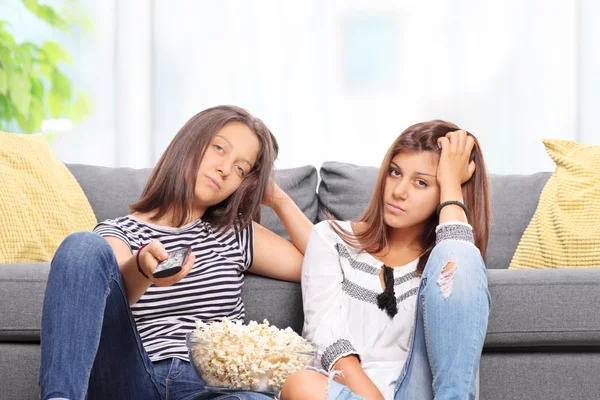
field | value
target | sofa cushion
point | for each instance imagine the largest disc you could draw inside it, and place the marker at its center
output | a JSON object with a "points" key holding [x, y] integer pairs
{"points": [[301, 185], [22, 287], [530, 308], [514, 199], [563, 232], [277, 301], [346, 189], [111, 190], [544, 308], [540, 375], [19, 371]]}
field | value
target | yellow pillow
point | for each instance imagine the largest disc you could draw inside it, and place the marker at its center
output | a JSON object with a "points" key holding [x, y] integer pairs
{"points": [[40, 201], [565, 229]]}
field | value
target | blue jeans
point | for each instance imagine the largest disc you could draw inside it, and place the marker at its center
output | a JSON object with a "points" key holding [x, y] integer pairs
{"points": [[450, 327], [90, 346]]}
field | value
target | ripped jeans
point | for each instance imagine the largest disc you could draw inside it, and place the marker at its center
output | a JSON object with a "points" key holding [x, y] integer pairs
{"points": [[451, 318]]}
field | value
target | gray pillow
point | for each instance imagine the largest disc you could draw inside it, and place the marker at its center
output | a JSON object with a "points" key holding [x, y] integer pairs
{"points": [[111, 190], [346, 189], [301, 185], [514, 201]]}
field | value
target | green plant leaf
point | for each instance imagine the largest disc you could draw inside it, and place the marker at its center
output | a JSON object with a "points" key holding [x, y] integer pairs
{"points": [[24, 57], [46, 71], [32, 50], [36, 115], [56, 104], [31, 85], [37, 87], [61, 85], [3, 82], [47, 14], [80, 108], [5, 116], [19, 87], [5, 59], [6, 39], [55, 53]]}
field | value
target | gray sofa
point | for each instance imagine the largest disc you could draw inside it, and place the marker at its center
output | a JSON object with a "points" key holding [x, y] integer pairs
{"points": [[543, 340]]}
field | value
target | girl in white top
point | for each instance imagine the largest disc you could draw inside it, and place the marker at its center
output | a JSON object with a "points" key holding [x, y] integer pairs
{"points": [[396, 303]]}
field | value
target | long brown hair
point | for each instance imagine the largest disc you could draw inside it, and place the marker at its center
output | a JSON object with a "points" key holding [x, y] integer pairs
{"points": [[170, 187], [419, 138]]}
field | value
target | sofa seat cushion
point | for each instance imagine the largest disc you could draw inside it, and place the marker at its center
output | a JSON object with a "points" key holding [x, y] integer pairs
{"points": [[22, 288], [537, 308], [530, 308]]}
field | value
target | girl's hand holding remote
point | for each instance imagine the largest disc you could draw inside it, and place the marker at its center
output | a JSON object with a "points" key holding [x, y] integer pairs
{"points": [[152, 254]]}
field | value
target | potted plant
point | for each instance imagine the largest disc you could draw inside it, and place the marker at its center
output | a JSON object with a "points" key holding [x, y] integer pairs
{"points": [[33, 85]]}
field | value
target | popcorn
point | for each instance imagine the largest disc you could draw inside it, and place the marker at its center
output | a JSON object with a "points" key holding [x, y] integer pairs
{"points": [[249, 357]]}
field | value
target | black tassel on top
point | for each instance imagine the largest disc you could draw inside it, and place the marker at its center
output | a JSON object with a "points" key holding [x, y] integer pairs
{"points": [[387, 300]]}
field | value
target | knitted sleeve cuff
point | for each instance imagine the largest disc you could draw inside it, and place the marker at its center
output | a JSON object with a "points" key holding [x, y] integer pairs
{"points": [[340, 348], [455, 231]]}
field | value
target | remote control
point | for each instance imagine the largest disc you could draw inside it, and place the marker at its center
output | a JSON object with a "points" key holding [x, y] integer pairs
{"points": [[173, 264]]}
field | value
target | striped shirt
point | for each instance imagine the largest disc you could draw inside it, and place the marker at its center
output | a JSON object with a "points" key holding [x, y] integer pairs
{"points": [[210, 292]]}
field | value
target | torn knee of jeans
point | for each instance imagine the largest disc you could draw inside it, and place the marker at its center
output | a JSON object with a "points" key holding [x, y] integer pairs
{"points": [[332, 374], [446, 278]]}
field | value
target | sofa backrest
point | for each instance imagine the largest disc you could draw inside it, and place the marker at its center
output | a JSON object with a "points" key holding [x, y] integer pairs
{"points": [[345, 190], [111, 190]]}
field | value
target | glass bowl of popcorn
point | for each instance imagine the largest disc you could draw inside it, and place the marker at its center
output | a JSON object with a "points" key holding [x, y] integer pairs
{"points": [[259, 357]]}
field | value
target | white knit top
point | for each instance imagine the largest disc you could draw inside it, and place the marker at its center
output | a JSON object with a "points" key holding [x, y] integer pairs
{"points": [[341, 316]]}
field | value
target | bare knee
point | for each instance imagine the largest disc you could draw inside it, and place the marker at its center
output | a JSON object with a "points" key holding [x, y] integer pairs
{"points": [[446, 278], [304, 385]]}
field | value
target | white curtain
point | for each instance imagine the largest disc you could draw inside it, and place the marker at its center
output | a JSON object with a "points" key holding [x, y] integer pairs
{"points": [[339, 80]]}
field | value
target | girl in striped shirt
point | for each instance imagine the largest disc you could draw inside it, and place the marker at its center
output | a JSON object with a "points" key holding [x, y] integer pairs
{"points": [[110, 329]]}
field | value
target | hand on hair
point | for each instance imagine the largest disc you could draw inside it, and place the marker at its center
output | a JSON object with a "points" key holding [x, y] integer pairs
{"points": [[273, 195], [154, 253], [454, 167]]}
